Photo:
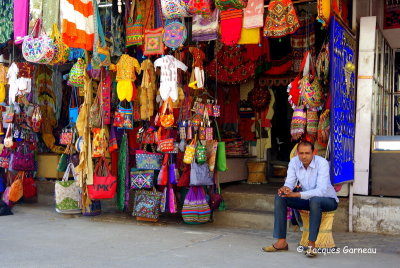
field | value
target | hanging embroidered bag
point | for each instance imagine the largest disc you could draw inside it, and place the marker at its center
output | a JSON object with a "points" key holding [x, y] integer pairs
{"points": [[38, 49], [61, 50], [189, 152], [175, 34], [201, 153], [153, 42], [146, 160], [167, 120], [324, 128], [77, 74], [147, 204], [200, 7], [124, 117], [172, 9], [134, 31], [299, 122], [230, 4], [142, 179], [195, 208]]}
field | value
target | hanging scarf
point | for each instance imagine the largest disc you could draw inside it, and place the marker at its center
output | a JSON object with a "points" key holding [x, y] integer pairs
{"points": [[122, 162], [231, 26], [281, 19], [6, 20]]}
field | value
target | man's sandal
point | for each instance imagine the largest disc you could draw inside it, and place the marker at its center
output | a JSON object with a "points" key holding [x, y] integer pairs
{"points": [[274, 249], [311, 252]]}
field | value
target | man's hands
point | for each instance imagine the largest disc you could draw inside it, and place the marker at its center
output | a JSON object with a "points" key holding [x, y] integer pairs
{"points": [[285, 191]]}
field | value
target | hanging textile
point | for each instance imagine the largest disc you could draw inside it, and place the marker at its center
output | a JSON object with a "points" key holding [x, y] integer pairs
{"points": [[35, 12], [253, 14], [303, 40], [122, 162], [51, 14], [231, 26], [231, 65], [324, 12], [77, 23], [21, 15], [148, 90], [205, 28], [281, 19], [6, 20]]}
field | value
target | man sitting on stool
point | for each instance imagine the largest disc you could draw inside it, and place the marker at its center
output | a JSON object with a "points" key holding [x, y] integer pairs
{"points": [[310, 173]]}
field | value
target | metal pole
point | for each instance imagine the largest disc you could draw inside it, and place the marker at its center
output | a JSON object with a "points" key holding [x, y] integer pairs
{"points": [[351, 208]]}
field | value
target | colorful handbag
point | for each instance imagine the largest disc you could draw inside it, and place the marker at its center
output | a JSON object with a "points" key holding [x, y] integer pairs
{"points": [[5, 158], [166, 145], [167, 120], [153, 42], [175, 34], [61, 50], [100, 142], [142, 179], [147, 204], [299, 122], [199, 7], [68, 193], [38, 49], [312, 94], [146, 160], [95, 114], [77, 74], [211, 146], [230, 4], [201, 153], [195, 208], [124, 117], [8, 139], [23, 159], [67, 136], [172, 9], [189, 152], [324, 128], [9, 118], [104, 183], [134, 31], [312, 123]]}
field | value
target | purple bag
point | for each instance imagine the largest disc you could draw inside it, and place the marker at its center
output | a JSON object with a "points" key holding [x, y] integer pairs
{"points": [[23, 160], [172, 200], [200, 175], [172, 174]]}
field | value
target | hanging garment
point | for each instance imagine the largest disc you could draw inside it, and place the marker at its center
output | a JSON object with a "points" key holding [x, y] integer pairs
{"points": [[198, 59], [77, 23], [148, 90], [303, 40], [281, 19], [21, 16], [253, 14], [51, 14], [231, 65], [249, 36], [126, 68], [117, 30], [122, 162], [6, 20], [205, 28], [231, 26], [169, 76]]}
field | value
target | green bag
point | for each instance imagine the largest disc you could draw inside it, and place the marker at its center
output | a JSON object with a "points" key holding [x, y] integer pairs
{"points": [[221, 154], [62, 163], [201, 153]]}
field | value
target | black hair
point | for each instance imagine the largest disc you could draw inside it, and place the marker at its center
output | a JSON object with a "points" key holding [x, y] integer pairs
{"points": [[306, 143]]}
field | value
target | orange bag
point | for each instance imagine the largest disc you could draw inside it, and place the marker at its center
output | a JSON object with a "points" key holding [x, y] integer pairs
{"points": [[167, 120], [17, 190]]}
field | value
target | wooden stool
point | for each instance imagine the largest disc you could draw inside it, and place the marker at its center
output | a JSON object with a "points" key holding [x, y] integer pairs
{"points": [[324, 238]]}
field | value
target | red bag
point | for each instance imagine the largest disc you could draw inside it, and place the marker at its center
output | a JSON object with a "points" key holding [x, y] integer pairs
{"points": [[29, 186], [184, 180], [162, 178], [104, 183]]}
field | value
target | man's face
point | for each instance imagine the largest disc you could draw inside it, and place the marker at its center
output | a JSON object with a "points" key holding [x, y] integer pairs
{"points": [[305, 154]]}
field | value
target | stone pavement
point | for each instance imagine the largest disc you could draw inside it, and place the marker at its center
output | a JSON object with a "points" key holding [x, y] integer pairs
{"points": [[36, 236]]}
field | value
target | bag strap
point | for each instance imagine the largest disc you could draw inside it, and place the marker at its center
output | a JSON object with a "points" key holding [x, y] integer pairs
{"points": [[99, 26], [67, 171], [36, 28], [218, 133]]}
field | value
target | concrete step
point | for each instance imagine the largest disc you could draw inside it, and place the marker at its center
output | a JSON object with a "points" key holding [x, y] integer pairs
{"points": [[249, 201], [244, 218]]}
